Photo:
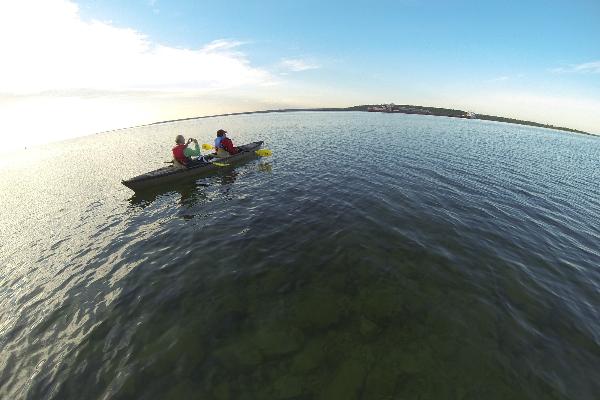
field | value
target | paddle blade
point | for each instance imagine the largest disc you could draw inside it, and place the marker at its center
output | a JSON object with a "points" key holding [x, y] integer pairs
{"points": [[264, 153], [220, 164], [206, 146]]}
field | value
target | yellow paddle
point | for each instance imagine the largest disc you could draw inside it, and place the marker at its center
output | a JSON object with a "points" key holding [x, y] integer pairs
{"points": [[260, 153], [264, 153]]}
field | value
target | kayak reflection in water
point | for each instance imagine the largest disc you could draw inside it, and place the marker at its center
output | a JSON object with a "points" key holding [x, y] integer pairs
{"points": [[182, 153], [224, 145]]}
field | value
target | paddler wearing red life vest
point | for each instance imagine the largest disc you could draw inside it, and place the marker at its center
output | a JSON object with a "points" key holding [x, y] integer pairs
{"points": [[182, 154], [224, 145]]}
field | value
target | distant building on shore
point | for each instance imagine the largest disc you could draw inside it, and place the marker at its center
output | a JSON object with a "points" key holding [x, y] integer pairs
{"points": [[376, 109], [393, 108]]}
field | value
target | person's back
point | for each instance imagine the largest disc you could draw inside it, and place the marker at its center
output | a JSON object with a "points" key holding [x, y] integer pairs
{"points": [[228, 146], [179, 158], [223, 145], [182, 154]]}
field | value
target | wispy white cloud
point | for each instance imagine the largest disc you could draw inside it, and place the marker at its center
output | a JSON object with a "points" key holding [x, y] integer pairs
{"points": [[499, 79], [592, 67], [79, 77], [153, 4], [222, 44], [505, 78], [298, 64], [54, 49]]}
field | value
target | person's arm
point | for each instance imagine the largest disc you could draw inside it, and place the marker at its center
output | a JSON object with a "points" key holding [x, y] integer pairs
{"points": [[195, 152]]}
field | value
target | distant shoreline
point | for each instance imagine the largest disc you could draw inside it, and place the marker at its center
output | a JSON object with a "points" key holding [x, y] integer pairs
{"points": [[396, 109]]}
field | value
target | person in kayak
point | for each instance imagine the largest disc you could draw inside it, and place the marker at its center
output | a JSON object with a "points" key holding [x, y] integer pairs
{"points": [[223, 145], [182, 153]]}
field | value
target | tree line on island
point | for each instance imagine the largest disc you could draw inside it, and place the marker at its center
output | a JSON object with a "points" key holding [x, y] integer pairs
{"points": [[449, 112], [399, 109]]}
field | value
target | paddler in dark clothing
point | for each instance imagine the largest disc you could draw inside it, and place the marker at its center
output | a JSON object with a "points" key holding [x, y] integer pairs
{"points": [[182, 153], [224, 145]]}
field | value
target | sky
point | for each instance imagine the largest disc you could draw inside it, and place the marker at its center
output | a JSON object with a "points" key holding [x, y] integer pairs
{"points": [[72, 68]]}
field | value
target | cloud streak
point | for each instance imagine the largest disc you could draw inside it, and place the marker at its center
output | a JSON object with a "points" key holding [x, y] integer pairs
{"points": [[592, 67], [499, 79], [298, 65]]}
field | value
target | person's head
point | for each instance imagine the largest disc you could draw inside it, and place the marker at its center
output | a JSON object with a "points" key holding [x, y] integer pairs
{"points": [[221, 133], [179, 139]]}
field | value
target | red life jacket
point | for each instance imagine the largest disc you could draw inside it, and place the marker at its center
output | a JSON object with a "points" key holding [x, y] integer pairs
{"points": [[178, 154], [227, 144]]}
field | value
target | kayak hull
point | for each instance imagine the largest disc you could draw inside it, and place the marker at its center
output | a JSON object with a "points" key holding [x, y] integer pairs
{"points": [[172, 174]]}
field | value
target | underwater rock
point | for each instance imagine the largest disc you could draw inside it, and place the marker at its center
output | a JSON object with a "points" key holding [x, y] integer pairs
{"points": [[367, 328], [230, 302], [347, 381], [274, 280], [129, 389], [318, 310], [183, 390], [379, 304], [169, 354], [381, 382], [241, 354], [273, 341], [310, 357], [221, 391], [338, 281], [415, 360], [287, 387]]}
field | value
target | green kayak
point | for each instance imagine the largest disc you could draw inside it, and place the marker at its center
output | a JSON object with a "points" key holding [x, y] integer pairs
{"points": [[172, 174]]}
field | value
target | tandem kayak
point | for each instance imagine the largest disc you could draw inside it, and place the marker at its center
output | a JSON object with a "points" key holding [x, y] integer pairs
{"points": [[172, 174]]}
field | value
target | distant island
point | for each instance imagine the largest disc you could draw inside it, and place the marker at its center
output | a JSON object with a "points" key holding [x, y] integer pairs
{"points": [[398, 109]]}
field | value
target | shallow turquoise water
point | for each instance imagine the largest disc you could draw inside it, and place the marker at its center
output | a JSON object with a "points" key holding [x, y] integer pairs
{"points": [[373, 256]]}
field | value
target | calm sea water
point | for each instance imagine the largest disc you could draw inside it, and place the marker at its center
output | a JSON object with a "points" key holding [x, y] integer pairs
{"points": [[373, 256]]}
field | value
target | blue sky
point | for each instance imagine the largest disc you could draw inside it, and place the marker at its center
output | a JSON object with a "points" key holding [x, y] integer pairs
{"points": [[537, 60], [459, 39]]}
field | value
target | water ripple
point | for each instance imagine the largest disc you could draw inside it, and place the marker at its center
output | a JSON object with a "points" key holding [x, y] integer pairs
{"points": [[380, 256]]}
